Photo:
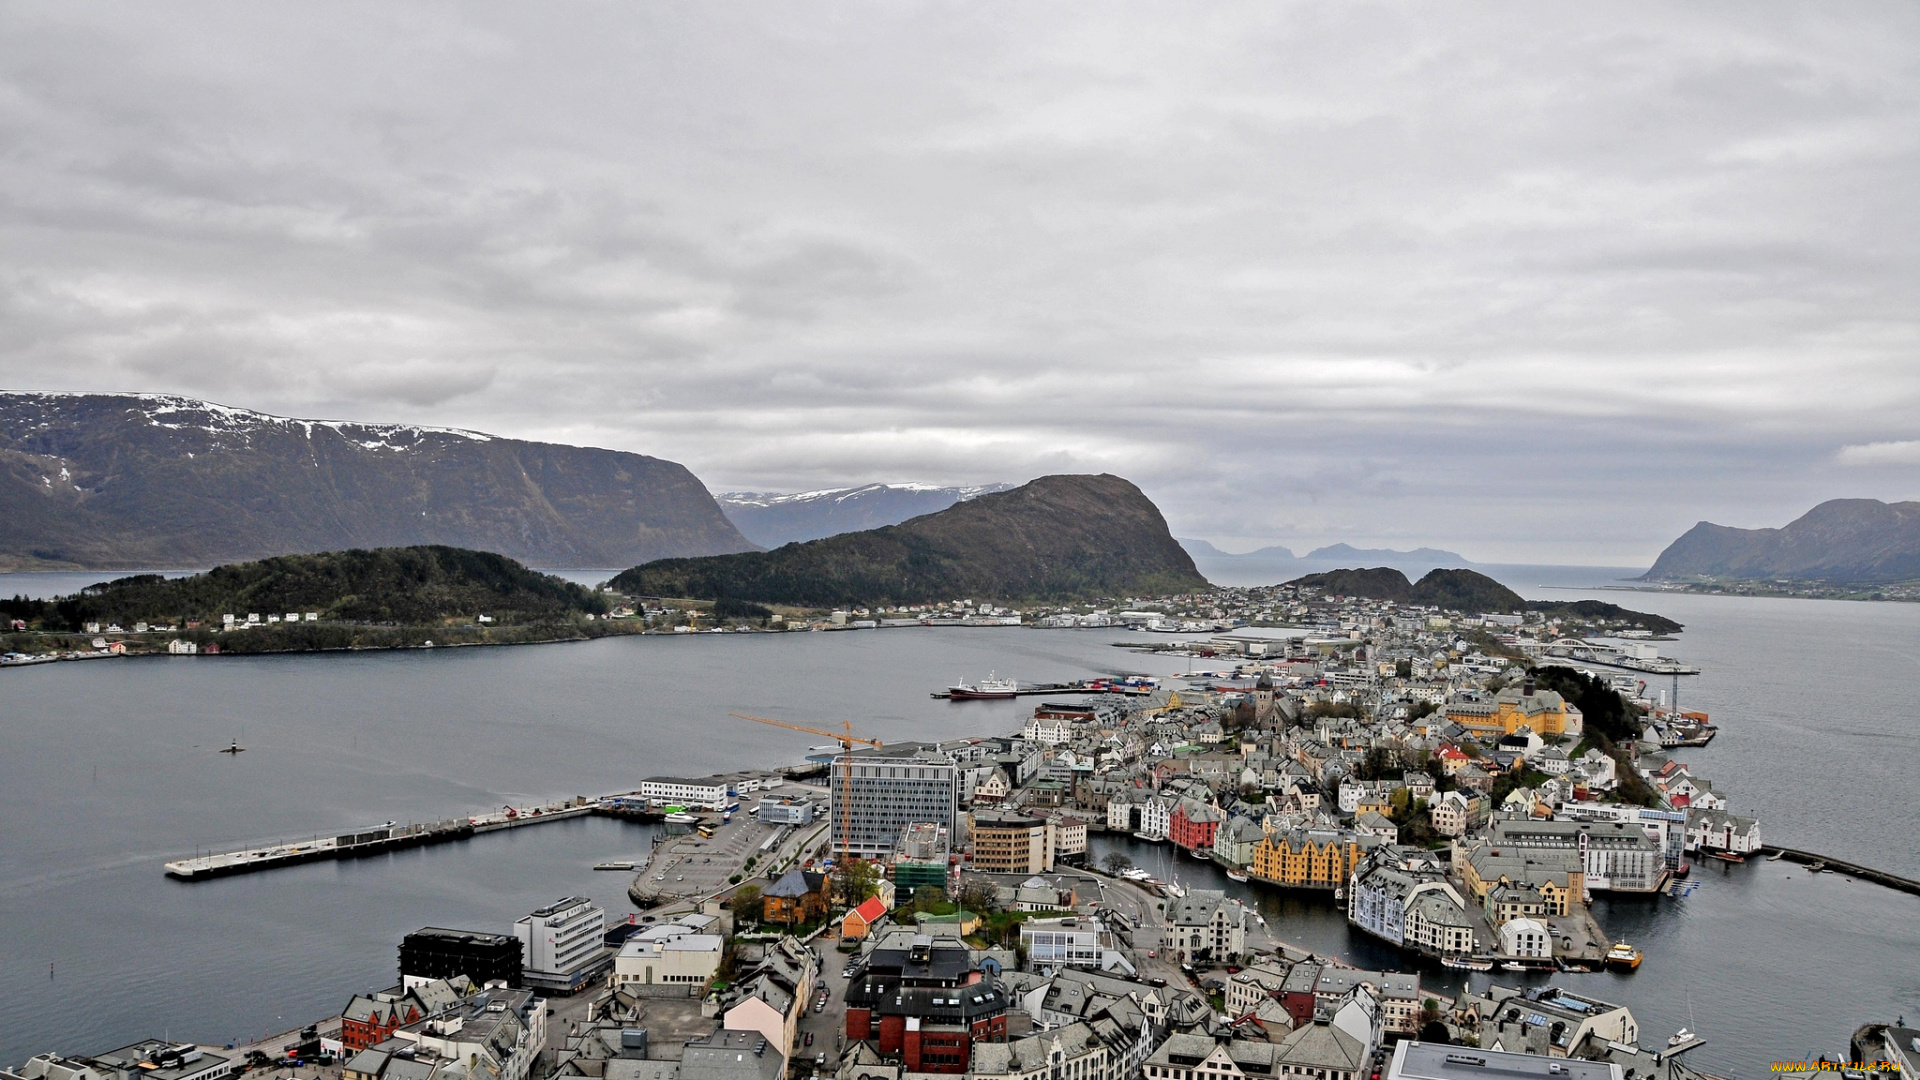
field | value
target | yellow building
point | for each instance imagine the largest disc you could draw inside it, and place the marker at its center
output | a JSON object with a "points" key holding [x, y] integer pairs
{"points": [[1557, 874], [1314, 859], [1547, 713]]}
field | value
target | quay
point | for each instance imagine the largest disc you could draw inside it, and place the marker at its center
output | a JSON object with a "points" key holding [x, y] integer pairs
{"points": [[1842, 866], [384, 838], [1024, 691]]}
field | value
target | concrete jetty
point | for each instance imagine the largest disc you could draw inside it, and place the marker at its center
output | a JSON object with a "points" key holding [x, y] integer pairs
{"points": [[374, 841], [1842, 866]]}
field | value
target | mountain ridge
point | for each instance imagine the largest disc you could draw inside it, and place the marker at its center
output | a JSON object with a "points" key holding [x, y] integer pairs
{"points": [[772, 519], [109, 480], [1472, 593], [1850, 541], [1274, 563], [1056, 537]]}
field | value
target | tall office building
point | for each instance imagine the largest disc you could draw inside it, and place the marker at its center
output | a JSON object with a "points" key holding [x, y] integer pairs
{"points": [[877, 793], [564, 943]]}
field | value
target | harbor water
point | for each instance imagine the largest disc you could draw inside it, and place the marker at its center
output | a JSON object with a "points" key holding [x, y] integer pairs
{"points": [[109, 768]]}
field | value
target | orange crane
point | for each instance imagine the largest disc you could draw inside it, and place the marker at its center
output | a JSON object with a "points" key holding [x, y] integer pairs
{"points": [[847, 740]]}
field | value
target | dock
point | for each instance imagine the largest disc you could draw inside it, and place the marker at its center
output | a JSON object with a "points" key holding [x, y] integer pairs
{"points": [[382, 839], [1842, 866], [1050, 688]]}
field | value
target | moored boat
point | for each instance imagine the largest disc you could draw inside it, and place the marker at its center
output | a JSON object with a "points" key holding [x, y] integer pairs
{"points": [[1465, 963], [1727, 856], [1623, 955], [1235, 875], [990, 688]]}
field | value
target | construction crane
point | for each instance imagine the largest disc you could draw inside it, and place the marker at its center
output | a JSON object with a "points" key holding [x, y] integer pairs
{"points": [[847, 740]]}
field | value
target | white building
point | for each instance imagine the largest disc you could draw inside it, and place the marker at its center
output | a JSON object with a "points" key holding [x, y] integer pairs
{"points": [[785, 810], [1525, 937], [1077, 941], [678, 791], [673, 959], [562, 943], [1048, 731]]}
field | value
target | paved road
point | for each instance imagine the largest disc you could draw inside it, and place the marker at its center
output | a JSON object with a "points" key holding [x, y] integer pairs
{"points": [[828, 1027]]}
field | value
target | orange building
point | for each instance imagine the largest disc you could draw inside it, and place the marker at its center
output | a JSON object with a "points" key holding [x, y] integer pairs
{"points": [[1310, 859]]}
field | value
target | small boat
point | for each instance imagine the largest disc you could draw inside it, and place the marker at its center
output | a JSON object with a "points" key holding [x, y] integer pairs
{"points": [[1464, 963], [1815, 867], [1235, 875], [990, 688], [1623, 955], [1512, 966], [1681, 1038], [1201, 853], [1727, 856], [683, 819], [1340, 892]]}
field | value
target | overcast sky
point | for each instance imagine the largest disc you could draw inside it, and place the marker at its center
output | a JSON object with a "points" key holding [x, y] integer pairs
{"points": [[1533, 282]]}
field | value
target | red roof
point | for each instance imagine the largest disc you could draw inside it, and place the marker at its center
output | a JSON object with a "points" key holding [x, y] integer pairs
{"points": [[870, 910]]}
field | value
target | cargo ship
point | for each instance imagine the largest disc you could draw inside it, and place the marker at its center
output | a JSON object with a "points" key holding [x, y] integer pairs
{"points": [[990, 688]]}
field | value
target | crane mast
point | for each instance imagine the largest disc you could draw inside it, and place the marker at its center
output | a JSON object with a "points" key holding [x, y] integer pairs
{"points": [[847, 740]]}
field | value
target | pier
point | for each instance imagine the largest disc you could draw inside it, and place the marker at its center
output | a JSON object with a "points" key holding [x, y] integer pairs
{"points": [[389, 837], [1842, 866]]}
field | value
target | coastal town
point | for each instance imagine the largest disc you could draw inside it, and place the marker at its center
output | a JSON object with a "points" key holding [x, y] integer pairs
{"points": [[920, 909]]}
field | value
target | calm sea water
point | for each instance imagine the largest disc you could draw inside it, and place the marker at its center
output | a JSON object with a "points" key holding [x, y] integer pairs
{"points": [[108, 768]]}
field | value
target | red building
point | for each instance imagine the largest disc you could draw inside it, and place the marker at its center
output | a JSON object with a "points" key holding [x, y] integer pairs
{"points": [[368, 1020], [1193, 824], [923, 1003]]}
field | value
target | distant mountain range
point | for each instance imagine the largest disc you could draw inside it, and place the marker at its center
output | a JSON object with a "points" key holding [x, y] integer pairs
{"points": [[771, 520], [1848, 541], [118, 480], [1272, 565], [1057, 538], [1473, 593]]}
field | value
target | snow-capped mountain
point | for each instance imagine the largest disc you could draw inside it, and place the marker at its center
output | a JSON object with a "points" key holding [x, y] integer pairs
{"points": [[770, 519], [146, 480]]}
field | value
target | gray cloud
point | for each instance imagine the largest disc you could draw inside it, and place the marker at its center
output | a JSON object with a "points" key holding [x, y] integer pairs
{"points": [[1531, 284]]}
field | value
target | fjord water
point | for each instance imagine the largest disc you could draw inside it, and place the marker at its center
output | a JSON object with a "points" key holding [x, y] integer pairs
{"points": [[108, 768]]}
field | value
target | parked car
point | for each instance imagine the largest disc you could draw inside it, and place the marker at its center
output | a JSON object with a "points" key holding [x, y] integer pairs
{"points": [[809, 1041]]}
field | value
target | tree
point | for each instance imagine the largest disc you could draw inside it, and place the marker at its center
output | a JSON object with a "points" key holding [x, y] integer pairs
{"points": [[928, 897], [859, 879], [747, 904], [1116, 861], [977, 896]]}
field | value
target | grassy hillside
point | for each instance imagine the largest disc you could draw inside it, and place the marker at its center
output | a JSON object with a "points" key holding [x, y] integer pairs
{"points": [[1059, 537]]}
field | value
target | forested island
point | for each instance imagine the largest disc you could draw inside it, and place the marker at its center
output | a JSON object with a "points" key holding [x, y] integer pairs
{"points": [[380, 598]]}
